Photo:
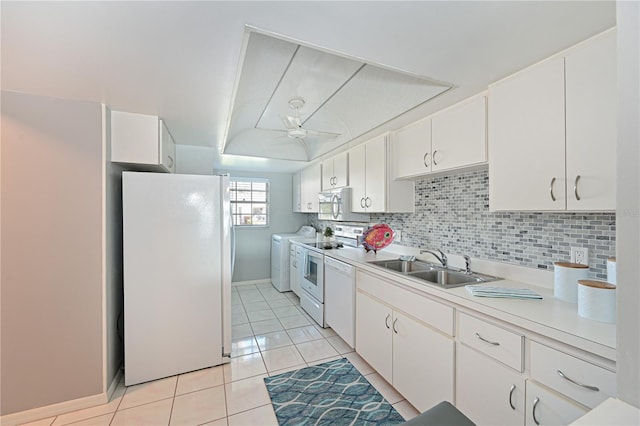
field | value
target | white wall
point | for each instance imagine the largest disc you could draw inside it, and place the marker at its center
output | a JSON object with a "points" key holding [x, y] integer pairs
{"points": [[253, 245], [196, 160], [52, 257], [628, 202]]}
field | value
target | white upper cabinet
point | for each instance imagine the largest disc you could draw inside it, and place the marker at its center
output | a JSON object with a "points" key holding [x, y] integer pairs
{"points": [[310, 186], [526, 139], [458, 135], [373, 189], [335, 172], [452, 139], [411, 150], [296, 186], [142, 140], [591, 124], [533, 164]]}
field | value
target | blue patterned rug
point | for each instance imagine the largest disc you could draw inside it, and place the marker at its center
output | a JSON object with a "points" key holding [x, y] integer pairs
{"points": [[333, 393]]}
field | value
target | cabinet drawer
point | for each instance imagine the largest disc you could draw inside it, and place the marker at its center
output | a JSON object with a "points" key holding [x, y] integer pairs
{"points": [[498, 343], [429, 311], [584, 382]]}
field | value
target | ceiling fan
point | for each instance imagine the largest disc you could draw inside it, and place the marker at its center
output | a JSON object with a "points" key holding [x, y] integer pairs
{"points": [[294, 127]]}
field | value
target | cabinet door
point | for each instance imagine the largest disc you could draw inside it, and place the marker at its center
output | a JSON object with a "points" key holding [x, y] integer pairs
{"points": [[341, 170], [591, 124], [357, 178], [423, 362], [486, 391], [411, 150], [526, 139], [458, 135], [311, 186], [296, 196], [373, 334], [376, 162], [295, 281], [293, 272], [545, 407], [327, 175], [167, 148]]}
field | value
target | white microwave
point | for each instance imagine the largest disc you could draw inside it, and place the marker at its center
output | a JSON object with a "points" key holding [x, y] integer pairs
{"points": [[336, 205]]}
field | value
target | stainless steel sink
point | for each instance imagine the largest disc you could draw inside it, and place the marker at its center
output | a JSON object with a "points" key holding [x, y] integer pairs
{"points": [[432, 273], [404, 266], [447, 278]]}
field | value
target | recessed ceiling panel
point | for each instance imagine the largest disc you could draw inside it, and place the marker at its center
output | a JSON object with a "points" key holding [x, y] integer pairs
{"points": [[336, 95], [373, 97], [266, 59], [313, 76]]}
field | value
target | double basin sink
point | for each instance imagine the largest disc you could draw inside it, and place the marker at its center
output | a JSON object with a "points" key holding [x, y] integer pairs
{"points": [[433, 274]]}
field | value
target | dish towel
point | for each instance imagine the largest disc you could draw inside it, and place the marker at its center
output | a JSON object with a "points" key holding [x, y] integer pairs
{"points": [[510, 293]]}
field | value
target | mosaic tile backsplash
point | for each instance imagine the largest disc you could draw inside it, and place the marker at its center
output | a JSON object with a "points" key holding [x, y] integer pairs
{"points": [[452, 213]]}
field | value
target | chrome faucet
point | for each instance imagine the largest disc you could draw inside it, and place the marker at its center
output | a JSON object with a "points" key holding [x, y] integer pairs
{"points": [[442, 258], [467, 264]]}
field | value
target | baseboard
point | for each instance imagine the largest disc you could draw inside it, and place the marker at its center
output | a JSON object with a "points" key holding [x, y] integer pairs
{"points": [[114, 384], [251, 282], [61, 407]]}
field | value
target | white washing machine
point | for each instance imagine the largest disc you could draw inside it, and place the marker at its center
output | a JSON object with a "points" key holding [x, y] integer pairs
{"points": [[280, 255]]}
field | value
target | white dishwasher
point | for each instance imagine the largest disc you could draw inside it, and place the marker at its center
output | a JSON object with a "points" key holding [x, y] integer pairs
{"points": [[340, 299]]}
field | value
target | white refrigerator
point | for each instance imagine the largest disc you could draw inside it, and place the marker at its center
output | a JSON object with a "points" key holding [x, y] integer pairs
{"points": [[177, 249]]}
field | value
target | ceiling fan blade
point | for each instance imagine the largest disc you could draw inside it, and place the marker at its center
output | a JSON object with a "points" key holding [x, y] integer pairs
{"points": [[322, 135], [290, 122]]}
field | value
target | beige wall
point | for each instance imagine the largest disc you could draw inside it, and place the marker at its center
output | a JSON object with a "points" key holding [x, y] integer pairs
{"points": [[51, 318], [628, 202]]}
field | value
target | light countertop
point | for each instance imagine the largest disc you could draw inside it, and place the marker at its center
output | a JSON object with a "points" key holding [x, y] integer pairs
{"points": [[550, 317]]}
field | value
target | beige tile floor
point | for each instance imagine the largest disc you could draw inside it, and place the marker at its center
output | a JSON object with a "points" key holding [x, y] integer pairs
{"points": [[271, 335]]}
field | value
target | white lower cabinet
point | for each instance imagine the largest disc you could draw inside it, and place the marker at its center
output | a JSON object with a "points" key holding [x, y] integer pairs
{"points": [[488, 392], [546, 407], [422, 363], [373, 334], [414, 358], [294, 278]]}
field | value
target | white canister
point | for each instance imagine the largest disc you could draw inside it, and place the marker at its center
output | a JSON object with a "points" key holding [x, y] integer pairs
{"points": [[597, 300], [611, 271], [565, 280]]}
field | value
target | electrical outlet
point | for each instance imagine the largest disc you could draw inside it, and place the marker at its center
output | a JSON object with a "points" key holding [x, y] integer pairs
{"points": [[398, 237], [580, 255]]}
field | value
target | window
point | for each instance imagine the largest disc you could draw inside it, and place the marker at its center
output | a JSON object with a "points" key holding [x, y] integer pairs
{"points": [[249, 201]]}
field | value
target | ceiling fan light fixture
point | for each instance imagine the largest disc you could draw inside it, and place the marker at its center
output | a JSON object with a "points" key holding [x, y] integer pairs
{"points": [[298, 133]]}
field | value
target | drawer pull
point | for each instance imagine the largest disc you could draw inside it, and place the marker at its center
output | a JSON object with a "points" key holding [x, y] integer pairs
{"points": [[487, 341], [569, 379], [386, 320], [394, 326], [533, 410], [513, 387]]}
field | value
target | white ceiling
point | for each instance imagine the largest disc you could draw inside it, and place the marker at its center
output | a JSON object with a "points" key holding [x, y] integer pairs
{"points": [[181, 60]]}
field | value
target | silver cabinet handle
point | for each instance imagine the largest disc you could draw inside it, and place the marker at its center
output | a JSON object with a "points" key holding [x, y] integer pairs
{"points": [[513, 387], [367, 202], [424, 159], [170, 158], [553, 197], [362, 202], [487, 341], [434, 158], [386, 320], [569, 379], [394, 326], [575, 187], [533, 410]]}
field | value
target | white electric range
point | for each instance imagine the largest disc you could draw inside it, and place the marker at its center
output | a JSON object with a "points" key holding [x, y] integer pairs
{"points": [[321, 277]]}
